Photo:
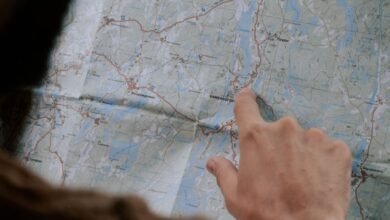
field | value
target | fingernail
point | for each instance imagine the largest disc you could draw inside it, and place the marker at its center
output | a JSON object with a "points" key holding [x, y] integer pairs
{"points": [[211, 166]]}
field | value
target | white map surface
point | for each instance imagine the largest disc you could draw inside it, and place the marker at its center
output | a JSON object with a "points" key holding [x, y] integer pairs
{"points": [[140, 93]]}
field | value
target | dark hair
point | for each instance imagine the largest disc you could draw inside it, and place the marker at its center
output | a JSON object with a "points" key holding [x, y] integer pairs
{"points": [[27, 37]]}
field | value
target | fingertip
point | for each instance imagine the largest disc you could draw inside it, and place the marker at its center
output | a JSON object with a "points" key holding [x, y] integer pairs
{"points": [[226, 176], [246, 109], [216, 164]]}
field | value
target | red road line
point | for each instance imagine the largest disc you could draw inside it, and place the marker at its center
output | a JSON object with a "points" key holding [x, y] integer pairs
{"points": [[363, 173], [108, 21]]}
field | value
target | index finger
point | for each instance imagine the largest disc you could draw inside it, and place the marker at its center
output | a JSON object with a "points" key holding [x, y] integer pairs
{"points": [[246, 110]]}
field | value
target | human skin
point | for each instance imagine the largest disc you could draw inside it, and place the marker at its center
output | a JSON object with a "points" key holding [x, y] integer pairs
{"points": [[285, 172]]}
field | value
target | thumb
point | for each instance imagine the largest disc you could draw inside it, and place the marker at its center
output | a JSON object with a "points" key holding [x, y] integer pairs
{"points": [[226, 174]]}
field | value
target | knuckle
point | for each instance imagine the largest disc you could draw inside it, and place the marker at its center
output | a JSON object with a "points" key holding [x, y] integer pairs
{"points": [[316, 133], [288, 123], [253, 129]]}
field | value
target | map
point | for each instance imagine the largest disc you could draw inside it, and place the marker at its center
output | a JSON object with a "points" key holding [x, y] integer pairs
{"points": [[140, 93]]}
